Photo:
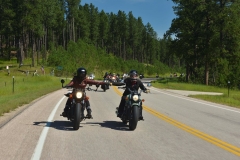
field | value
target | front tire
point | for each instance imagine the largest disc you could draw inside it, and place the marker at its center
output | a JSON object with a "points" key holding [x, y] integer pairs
{"points": [[125, 122], [77, 116], [135, 117]]}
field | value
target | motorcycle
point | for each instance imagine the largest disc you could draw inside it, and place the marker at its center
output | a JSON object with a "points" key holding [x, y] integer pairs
{"points": [[113, 78], [105, 86], [76, 112], [132, 108], [141, 76]]}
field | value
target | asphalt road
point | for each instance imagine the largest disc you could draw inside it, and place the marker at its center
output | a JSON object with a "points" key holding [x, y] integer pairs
{"points": [[175, 127]]}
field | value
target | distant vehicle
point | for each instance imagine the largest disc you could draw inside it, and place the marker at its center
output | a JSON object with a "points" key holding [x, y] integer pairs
{"points": [[105, 86], [125, 75], [91, 76], [113, 77], [141, 76]]}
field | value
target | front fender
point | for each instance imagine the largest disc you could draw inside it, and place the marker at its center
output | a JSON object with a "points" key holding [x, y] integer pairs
{"points": [[135, 104]]}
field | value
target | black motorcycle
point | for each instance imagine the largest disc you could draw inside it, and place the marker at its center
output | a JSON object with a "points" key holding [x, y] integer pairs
{"points": [[105, 86], [76, 112], [141, 76], [132, 108]]}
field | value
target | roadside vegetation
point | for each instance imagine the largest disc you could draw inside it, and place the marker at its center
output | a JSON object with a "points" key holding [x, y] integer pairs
{"points": [[18, 88], [230, 97]]}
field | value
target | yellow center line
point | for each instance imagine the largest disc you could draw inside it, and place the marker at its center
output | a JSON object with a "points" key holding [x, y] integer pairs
{"points": [[233, 149]]}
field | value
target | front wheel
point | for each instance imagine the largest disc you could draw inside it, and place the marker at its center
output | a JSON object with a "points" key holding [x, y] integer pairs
{"points": [[77, 116], [124, 121], [134, 119]]}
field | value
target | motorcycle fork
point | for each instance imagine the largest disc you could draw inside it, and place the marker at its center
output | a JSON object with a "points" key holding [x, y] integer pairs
{"points": [[131, 109], [73, 106], [128, 111]]}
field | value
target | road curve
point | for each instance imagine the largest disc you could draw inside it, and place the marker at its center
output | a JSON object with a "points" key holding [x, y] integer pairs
{"points": [[175, 127]]}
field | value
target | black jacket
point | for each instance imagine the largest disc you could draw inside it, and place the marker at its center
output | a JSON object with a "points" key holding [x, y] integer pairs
{"points": [[128, 83]]}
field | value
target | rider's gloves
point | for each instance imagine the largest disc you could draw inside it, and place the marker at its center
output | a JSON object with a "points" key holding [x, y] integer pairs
{"points": [[146, 91]]}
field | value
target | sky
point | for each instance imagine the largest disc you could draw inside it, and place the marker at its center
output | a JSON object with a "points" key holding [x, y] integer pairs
{"points": [[159, 13]]}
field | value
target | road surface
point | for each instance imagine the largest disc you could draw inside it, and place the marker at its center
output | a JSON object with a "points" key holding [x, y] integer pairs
{"points": [[175, 127]]}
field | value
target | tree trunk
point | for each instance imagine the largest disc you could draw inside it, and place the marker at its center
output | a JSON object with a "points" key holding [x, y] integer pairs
{"points": [[187, 72], [73, 30], [33, 52], [206, 70]]}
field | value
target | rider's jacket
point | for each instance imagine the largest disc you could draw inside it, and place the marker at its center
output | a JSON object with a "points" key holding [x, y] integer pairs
{"points": [[133, 86], [106, 76], [82, 83]]}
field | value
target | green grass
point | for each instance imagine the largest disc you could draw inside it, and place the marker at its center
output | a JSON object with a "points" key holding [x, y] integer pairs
{"points": [[25, 90], [22, 89], [229, 97]]}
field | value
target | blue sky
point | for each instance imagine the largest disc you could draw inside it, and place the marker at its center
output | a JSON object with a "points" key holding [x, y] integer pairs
{"points": [[159, 13]]}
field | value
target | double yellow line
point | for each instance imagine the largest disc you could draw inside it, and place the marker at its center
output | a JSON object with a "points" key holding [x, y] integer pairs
{"points": [[233, 149]]}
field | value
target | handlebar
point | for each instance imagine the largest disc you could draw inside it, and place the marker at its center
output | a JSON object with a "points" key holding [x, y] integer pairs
{"points": [[122, 87], [67, 87], [145, 91]]}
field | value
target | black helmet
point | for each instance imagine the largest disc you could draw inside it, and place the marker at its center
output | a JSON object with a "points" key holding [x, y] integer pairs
{"points": [[106, 73], [133, 74], [81, 72]]}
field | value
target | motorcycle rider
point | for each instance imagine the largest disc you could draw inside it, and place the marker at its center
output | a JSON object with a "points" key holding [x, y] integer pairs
{"points": [[134, 83], [106, 75], [81, 81]]}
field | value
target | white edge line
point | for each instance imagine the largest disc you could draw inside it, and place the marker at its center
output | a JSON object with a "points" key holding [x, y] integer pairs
{"points": [[38, 150], [157, 90]]}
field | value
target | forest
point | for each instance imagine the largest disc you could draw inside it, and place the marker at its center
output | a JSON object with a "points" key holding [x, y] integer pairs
{"points": [[203, 40]]}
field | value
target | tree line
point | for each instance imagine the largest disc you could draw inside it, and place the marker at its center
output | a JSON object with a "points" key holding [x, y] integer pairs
{"points": [[208, 40], [203, 39], [35, 27]]}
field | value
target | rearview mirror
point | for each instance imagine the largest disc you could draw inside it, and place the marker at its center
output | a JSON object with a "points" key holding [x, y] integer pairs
{"points": [[62, 81]]}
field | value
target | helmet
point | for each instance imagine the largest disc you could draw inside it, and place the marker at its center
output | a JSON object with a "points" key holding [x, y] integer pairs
{"points": [[133, 74], [81, 72], [106, 73]]}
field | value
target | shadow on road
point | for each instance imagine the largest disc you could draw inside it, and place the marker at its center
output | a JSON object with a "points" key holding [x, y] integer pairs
{"points": [[67, 125], [60, 125], [112, 124]]}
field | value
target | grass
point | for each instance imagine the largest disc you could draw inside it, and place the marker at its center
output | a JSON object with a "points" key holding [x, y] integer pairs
{"points": [[229, 97], [25, 90], [18, 88]]}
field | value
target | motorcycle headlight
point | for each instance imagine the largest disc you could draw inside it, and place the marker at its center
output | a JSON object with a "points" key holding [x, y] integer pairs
{"points": [[135, 97], [79, 94]]}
